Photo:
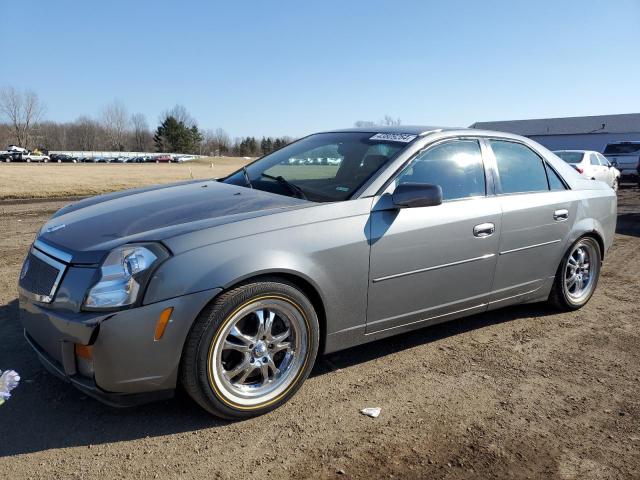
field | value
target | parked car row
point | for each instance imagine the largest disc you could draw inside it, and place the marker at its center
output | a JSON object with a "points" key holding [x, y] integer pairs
{"points": [[18, 156]]}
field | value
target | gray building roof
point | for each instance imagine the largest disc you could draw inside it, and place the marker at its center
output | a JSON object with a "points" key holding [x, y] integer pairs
{"points": [[624, 123]]}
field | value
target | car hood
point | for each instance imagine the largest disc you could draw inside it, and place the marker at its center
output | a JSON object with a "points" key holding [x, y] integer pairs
{"points": [[88, 229]]}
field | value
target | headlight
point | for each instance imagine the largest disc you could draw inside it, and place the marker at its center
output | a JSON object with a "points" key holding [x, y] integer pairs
{"points": [[123, 274]]}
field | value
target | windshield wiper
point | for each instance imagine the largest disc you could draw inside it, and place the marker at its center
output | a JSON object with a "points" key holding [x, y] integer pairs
{"points": [[246, 177], [291, 186]]}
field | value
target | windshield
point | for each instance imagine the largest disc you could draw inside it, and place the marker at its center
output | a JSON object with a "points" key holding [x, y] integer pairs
{"points": [[570, 157], [325, 167], [618, 148]]}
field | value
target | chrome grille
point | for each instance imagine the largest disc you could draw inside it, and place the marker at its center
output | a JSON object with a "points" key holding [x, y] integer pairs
{"points": [[40, 276]]}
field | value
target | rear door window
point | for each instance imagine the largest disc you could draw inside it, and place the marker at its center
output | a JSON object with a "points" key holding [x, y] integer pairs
{"points": [[520, 169], [593, 159]]}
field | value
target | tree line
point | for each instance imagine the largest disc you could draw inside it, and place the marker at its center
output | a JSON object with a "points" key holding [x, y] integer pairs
{"points": [[115, 129]]}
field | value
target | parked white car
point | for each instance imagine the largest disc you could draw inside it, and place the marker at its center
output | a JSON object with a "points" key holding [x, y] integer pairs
{"points": [[592, 165], [32, 157]]}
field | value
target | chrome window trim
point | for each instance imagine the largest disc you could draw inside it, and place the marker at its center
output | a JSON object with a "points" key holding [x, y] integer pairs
{"points": [[61, 267]]}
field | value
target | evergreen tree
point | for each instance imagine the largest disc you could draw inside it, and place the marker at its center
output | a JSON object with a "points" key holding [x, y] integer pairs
{"points": [[173, 135]]}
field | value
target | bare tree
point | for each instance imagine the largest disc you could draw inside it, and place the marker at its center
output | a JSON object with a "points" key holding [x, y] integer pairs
{"points": [[223, 141], [387, 120], [116, 121], [141, 135], [180, 113], [86, 133], [23, 110], [364, 123]]}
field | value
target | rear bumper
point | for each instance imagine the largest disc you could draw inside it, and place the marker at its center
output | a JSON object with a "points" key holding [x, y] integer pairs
{"points": [[129, 366]]}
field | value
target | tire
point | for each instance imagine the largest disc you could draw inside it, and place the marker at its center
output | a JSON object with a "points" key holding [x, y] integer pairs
{"points": [[567, 295], [232, 367], [616, 185]]}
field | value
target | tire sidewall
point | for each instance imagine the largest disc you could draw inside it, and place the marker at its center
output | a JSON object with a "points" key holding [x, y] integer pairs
{"points": [[217, 319]]}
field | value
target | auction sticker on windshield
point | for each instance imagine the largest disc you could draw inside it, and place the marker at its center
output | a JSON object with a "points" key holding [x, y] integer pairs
{"points": [[394, 137]]}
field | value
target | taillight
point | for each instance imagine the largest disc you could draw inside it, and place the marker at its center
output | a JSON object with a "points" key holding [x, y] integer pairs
{"points": [[580, 170]]}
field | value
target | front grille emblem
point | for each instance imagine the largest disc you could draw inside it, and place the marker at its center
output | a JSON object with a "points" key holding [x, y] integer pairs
{"points": [[25, 269]]}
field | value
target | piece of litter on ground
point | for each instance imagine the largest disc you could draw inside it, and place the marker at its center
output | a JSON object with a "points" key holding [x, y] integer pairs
{"points": [[372, 412]]}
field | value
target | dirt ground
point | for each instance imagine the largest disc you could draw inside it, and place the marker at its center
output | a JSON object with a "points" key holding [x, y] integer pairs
{"points": [[48, 180], [523, 392]]}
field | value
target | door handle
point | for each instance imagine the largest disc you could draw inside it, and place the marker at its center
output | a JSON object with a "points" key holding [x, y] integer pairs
{"points": [[561, 215], [484, 230]]}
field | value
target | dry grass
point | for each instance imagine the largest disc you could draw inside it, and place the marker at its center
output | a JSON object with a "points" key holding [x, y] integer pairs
{"points": [[52, 180]]}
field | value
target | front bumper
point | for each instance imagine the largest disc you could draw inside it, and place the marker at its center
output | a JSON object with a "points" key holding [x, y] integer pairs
{"points": [[89, 387], [129, 366]]}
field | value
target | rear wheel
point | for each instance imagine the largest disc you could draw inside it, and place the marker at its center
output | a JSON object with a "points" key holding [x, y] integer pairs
{"points": [[577, 275], [251, 350]]}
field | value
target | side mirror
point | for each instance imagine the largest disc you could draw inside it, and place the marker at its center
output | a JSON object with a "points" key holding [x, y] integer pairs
{"points": [[410, 195]]}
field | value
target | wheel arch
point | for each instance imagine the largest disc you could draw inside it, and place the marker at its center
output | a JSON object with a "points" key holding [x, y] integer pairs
{"points": [[305, 284], [598, 237], [589, 228]]}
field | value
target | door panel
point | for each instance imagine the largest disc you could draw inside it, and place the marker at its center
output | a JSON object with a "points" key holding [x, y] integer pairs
{"points": [[427, 263], [533, 238]]}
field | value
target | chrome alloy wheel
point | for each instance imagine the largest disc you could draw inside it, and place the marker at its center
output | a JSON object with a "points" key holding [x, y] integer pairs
{"points": [[581, 271], [259, 352]]}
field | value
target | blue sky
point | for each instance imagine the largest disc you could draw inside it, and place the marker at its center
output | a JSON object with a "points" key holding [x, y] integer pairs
{"points": [[294, 67]]}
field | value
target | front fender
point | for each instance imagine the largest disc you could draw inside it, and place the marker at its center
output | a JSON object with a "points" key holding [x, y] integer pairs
{"points": [[224, 265], [332, 255]]}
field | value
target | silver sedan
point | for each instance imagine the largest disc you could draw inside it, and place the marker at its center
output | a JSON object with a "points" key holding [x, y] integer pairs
{"points": [[230, 288]]}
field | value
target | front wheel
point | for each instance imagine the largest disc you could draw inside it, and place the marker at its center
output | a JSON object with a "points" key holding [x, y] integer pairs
{"points": [[577, 275], [250, 350], [616, 184]]}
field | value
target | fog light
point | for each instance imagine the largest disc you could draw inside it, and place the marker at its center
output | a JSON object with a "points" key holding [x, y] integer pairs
{"points": [[163, 321]]}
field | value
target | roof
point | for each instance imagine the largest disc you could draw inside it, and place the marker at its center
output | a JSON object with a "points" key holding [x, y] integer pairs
{"points": [[575, 151], [410, 129], [624, 123]]}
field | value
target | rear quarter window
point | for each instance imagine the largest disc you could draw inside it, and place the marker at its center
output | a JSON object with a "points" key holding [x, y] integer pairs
{"points": [[555, 182]]}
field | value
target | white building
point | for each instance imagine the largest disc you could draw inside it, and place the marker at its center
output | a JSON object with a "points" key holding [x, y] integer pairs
{"points": [[581, 133]]}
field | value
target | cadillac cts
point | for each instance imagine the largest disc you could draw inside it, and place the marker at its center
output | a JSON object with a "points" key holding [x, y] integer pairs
{"points": [[230, 288]]}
